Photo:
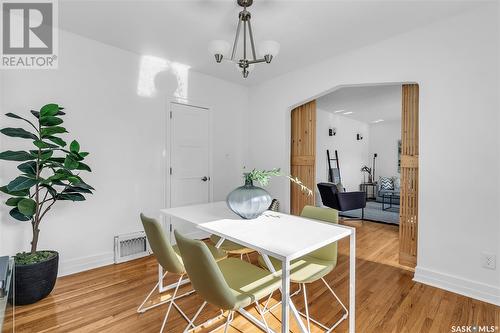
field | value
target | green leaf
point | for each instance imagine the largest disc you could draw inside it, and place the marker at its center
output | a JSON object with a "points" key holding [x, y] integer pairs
{"points": [[50, 121], [42, 144], [27, 207], [45, 154], [49, 110], [83, 154], [19, 155], [84, 186], [13, 201], [21, 183], [73, 189], [70, 163], [21, 193], [83, 166], [15, 213], [70, 196], [74, 146], [51, 190], [18, 133], [56, 159], [15, 116], [28, 167], [58, 141], [49, 131]]}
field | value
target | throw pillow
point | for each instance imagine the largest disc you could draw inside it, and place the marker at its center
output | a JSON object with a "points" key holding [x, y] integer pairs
{"points": [[397, 183], [386, 183]]}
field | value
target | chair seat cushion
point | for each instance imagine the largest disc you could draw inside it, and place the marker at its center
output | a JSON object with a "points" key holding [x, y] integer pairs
{"points": [[231, 247], [306, 269], [217, 253], [248, 282]]}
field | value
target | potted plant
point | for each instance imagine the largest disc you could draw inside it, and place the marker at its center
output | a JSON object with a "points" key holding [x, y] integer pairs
{"points": [[48, 173], [249, 201]]}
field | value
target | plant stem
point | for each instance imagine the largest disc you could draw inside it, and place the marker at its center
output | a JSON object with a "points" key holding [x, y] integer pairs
{"points": [[36, 221]]}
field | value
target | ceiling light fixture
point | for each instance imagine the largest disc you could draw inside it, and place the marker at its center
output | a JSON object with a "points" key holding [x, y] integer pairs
{"points": [[338, 111], [378, 121], [348, 112], [268, 49]]}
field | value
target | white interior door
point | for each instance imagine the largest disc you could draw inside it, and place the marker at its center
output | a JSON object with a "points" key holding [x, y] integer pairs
{"points": [[189, 159]]}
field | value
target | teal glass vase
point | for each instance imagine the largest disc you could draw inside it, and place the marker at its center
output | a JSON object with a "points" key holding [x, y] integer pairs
{"points": [[249, 201]]}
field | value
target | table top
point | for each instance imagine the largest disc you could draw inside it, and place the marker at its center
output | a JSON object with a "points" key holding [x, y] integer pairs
{"points": [[279, 235]]}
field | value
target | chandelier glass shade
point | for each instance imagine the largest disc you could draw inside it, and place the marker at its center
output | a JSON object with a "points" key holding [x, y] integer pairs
{"points": [[222, 50]]}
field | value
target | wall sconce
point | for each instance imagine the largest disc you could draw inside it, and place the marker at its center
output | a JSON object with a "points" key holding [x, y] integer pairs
{"points": [[332, 131], [359, 137]]}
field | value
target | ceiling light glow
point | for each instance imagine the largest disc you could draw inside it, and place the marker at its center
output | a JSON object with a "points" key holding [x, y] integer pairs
{"points": [[348, 112]]}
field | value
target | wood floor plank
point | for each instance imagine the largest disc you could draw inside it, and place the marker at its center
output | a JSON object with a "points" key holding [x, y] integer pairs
{"points": [[388, 300]]}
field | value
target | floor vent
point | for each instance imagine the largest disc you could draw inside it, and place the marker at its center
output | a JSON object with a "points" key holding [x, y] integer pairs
{"points": [[131, 246]]}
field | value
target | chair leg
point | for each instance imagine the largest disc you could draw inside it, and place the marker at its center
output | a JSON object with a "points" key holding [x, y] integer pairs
{"points": [[346, 312], [327, 329], [262, 315], [191, 322], [140, 309], [228, 321], [306, 306], [171, 303], [248, 258]]}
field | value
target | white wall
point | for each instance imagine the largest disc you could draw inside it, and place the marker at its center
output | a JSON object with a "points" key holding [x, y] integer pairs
{"points": [[384, 139], [124, 133], [456, 65], [353, 154]]}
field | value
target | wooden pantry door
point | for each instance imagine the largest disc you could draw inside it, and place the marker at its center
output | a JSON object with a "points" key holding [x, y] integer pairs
{"points": [[303, 155]]}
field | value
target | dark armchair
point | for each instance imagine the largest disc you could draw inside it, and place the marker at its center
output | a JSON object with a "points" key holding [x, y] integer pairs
{"points": [[342, 201]]}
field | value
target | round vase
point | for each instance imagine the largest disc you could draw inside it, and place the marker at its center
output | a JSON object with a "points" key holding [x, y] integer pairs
{"points": [[249, 201]]}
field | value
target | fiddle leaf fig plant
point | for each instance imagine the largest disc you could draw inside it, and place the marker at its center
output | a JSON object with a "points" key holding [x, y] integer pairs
{"points": [[49, 172]]}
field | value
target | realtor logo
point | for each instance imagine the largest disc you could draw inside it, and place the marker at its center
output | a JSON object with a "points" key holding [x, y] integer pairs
{"points": [[29, 34]]}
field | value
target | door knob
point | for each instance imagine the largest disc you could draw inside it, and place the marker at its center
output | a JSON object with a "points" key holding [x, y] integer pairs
{"points": [[205, 178]]}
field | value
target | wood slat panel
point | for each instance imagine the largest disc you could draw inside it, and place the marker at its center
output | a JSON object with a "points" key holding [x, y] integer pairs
{"points": [[303, 154], [408, 219]]}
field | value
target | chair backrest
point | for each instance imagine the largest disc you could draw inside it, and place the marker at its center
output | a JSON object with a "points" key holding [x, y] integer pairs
{"points": [[328, 193], [328, 252], [206, 277], [162, 249]]}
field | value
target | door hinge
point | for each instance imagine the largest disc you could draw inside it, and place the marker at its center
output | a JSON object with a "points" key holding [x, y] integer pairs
{"points": [[170, 170], [170, 114]]}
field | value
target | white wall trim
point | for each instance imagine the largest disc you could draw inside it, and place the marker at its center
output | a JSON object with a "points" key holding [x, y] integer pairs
{"points": [[81, 264], [469, 288]]}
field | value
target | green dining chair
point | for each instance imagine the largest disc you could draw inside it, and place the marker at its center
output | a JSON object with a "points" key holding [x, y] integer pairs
{"points": [[232, 248], [313, 266], [170, 260], [230, 284]]}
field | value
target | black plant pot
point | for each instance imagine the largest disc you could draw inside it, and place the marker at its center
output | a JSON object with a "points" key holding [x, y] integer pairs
{"points": [[35, 281]]}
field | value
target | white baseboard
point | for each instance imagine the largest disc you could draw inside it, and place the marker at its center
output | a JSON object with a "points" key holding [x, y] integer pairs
{"points": [[81, 264], [469, 288]]}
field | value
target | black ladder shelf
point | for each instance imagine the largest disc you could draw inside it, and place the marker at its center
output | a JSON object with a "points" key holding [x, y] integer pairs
{"points": [[331, 176]]}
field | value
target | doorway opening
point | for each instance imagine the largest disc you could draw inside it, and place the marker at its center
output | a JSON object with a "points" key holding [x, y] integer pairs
{"points": [[363, 140]]}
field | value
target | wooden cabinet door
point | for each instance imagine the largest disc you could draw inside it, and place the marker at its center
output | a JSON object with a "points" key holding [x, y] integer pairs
{"points": [[303, 155], [408, 217]]}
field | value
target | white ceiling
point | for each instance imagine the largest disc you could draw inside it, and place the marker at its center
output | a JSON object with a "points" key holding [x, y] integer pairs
{"points": [[367, 104], [308, 31]]}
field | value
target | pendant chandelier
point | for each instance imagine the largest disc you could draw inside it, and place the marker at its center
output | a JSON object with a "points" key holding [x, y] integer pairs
{"points": [[268, 49]]}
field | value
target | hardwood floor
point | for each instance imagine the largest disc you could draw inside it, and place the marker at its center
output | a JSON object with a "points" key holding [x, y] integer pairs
{"points": [[105, 299]]}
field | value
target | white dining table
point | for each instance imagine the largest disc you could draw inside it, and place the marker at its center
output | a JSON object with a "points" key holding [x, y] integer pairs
{"points": [[282, 236]]}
